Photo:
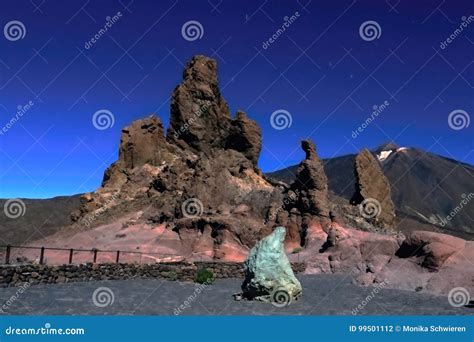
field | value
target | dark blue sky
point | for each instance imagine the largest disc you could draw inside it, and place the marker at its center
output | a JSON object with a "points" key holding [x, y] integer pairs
{"points": [[320, 70]]}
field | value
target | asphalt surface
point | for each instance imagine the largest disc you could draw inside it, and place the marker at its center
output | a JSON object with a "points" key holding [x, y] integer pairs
{"points": [[322, 295]]}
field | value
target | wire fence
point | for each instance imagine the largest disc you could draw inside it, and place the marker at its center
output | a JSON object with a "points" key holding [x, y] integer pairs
{"points": [[18, 255]]}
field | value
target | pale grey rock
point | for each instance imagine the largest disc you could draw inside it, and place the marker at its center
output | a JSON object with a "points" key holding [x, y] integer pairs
{"points": [[268, 273]]}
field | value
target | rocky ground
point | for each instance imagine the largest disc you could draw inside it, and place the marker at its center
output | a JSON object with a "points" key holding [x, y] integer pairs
{"points": [[322, 295]]}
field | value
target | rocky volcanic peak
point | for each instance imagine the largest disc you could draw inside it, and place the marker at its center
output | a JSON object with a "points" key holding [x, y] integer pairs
{"points": [[389, 146], [202, 180], [312, 183], [371, 184], [200, 117], [199, 114], [386, 150]]}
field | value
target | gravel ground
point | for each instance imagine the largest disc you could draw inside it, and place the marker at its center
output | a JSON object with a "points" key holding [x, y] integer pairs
{"points": [[322, 295]]}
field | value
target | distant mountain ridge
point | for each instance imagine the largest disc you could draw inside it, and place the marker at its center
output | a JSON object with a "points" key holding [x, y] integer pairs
{"points": [[426, 187], [40, 218]]}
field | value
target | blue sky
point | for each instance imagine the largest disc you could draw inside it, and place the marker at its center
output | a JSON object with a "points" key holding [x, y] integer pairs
{"points": [[320, 70]]}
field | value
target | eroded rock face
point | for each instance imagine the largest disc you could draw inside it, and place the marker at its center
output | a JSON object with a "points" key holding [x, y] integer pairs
{"points": [[432, 249], [312, 188], [142, 143], [268, 273], [245, 136], [371, 184], [200, 116], [207, 164], [312, 183]]}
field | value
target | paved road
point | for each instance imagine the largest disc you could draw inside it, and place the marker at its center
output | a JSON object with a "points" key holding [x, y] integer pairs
{"points": [[322, 295]]}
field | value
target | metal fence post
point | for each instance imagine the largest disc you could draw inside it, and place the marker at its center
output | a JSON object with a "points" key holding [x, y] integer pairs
{"points": [[95, 255], [71, 252], [7, 255], [117, 257], [41, 256]]}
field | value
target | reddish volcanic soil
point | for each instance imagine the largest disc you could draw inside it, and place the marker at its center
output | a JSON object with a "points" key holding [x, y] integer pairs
{"points": [[155, 242]]}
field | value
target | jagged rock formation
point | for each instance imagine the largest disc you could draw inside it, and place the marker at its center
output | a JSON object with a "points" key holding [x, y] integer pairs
{"points": [[201, 180], [373, 192], [207, 163], [245, 136], [312, 183], [268, 273], [312, 188], [142, 143], [304, 210], [200, 117]]}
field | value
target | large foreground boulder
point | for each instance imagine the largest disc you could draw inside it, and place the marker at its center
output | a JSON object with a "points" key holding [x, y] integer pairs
{"points": [[268, 273]]}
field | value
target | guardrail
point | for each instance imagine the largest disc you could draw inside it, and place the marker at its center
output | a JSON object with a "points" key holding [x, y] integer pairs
{"points": [[8, 249]]}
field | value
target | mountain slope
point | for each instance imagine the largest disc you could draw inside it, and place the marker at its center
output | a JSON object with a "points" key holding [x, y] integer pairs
{"points": [[42, 217]]}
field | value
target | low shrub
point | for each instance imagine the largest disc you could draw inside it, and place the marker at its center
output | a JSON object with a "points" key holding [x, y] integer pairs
{"points": [[204, 276]]}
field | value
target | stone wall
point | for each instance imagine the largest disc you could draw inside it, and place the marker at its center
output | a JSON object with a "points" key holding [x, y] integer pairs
{"points": [[44, 274]]}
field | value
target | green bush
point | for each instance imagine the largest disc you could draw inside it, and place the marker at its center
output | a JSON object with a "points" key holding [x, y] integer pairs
{"points": [[204, 276], [297, 250]]}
